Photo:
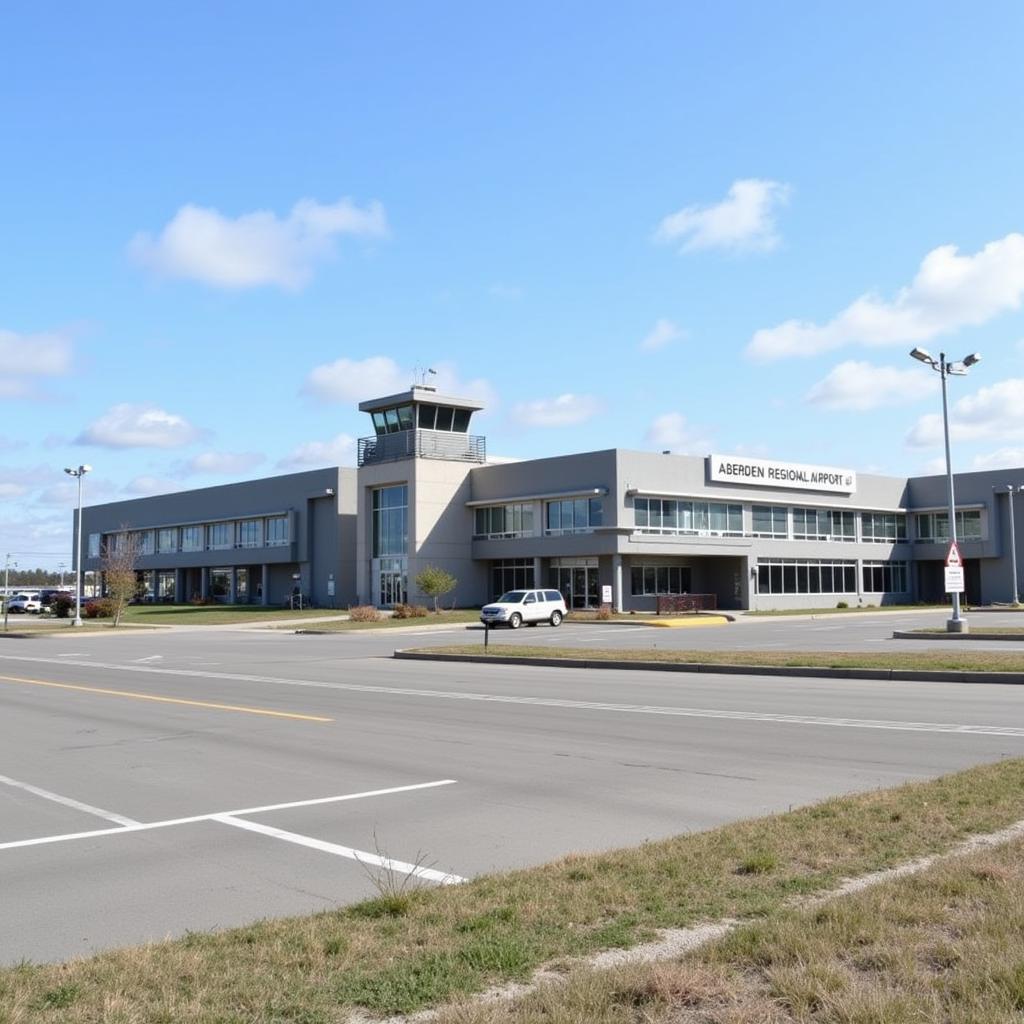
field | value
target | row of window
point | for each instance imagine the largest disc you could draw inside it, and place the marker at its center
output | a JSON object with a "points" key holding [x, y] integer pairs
{"points": [[668, 515], [504, 521], [656, 580], [430, 417], [273, 531], [817, 576], [511, 574], [933, 527]]}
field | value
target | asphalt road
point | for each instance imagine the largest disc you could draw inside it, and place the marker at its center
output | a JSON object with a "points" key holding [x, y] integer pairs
{"points": [[515, 766]]}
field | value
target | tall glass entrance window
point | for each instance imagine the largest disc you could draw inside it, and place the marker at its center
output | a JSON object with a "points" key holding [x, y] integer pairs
{"points": [[578, 583], [390, 526]]}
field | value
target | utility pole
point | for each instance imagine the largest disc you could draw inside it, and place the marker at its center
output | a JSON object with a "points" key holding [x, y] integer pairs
{"points": [[7, 585]]}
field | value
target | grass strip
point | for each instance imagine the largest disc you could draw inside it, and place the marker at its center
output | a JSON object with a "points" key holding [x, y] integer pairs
{"points": [[946, 945], [408, 949], [213, 615], [982, 630], [944, 660]]}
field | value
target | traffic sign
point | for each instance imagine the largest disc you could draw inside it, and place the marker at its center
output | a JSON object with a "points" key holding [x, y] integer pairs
{"points": [[953, 558], [954, 579]]}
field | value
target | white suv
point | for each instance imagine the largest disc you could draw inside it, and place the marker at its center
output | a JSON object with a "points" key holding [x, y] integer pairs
{"points": [[25, 603], [529, 606]]}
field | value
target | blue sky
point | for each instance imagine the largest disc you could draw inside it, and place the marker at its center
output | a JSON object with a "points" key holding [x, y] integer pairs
{"points": [[693, 227]]}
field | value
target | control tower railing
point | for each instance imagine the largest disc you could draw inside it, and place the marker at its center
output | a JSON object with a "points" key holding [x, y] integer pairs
{"points": [[422, 444]]}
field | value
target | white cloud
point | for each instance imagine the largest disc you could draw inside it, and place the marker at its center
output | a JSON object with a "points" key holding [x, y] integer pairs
{"points": [[257, 248], [145, 485], [356, 380], [1002, 458], [672, 431], [220, 463], [949, 291], [139, 426], [744, 220], [338, 451], [663, 333], [64, 494], [564, 411], [24, 357], [861, 386], [994, 413]]}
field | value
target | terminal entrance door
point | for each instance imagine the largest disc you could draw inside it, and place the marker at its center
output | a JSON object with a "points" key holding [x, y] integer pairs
{"points": [[578, 585], [389, 582]]}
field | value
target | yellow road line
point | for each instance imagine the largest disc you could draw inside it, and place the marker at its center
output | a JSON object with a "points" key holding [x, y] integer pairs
{"points": [[167, 700]]}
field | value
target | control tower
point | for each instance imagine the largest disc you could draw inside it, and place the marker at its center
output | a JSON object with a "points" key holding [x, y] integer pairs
{"points": [[413, 485]]}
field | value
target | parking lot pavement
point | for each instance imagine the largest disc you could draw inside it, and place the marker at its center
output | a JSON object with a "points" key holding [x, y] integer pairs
{"points": [[209, 781]]}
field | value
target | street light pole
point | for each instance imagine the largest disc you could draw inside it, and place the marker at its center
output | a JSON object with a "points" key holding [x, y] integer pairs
{"points": [[1013, 545], [944, 373], [945, 368], [79, 473], [7, 587]]}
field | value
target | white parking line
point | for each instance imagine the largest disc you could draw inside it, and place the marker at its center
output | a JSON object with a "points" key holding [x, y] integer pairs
{"points": [[68, 801], [135, 826], [152, 657], [418, 870]]}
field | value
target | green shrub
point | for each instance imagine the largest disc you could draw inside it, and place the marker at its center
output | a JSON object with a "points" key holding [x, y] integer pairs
{"points": [[842, 604], [61, 605]]}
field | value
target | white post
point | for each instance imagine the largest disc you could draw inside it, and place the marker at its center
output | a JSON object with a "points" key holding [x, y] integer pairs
{"points": [[956, 624], [1013, 548], [78, 557]]}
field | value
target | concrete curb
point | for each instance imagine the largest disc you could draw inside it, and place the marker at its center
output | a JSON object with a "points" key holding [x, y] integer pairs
{"points": [[909, 635], [801, 671]]}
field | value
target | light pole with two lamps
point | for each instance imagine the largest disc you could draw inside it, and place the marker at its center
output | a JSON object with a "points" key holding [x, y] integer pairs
{"points": [[945, 368], [78, 473]]}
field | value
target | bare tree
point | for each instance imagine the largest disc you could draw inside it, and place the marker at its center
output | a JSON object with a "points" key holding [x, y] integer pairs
{"points": [[120, 556]]}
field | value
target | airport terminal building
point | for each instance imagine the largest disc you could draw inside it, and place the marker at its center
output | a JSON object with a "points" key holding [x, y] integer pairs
{"points": [[616, 526]]}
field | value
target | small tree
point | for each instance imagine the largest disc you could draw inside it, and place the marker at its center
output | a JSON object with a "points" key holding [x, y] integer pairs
{"points": [[435, 582], [120, 555]]}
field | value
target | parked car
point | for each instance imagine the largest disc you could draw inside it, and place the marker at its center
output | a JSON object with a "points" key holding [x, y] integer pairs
{"points": [[22, 603], [529, 606]]}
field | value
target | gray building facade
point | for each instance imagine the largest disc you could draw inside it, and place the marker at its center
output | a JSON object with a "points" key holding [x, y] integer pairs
{"points": [[613, 526]]}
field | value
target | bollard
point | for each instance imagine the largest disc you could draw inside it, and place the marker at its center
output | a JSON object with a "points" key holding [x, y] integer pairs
{"points": [[487, 633]]}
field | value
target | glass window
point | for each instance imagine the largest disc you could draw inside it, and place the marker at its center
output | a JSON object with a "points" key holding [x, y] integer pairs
{"points": [[219, 536], [806, 576], [167, 540], [572, 515], [250, 533], [391, 419], [94, 545], [428, 413], [656, 580], [511, 574], [146, 541], [640, 512], [444, 417], [390, 520], [277, 531], [405, 417], [379, 424], [461, 423], [191, 538]]}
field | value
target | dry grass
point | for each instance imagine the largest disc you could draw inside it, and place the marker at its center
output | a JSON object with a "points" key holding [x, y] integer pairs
{"points": [[944, 946], [964, 660], [459, 617], [435, 945]]}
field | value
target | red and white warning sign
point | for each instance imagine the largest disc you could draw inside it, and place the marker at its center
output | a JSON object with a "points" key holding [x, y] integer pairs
{"points": [[954, 573]]}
